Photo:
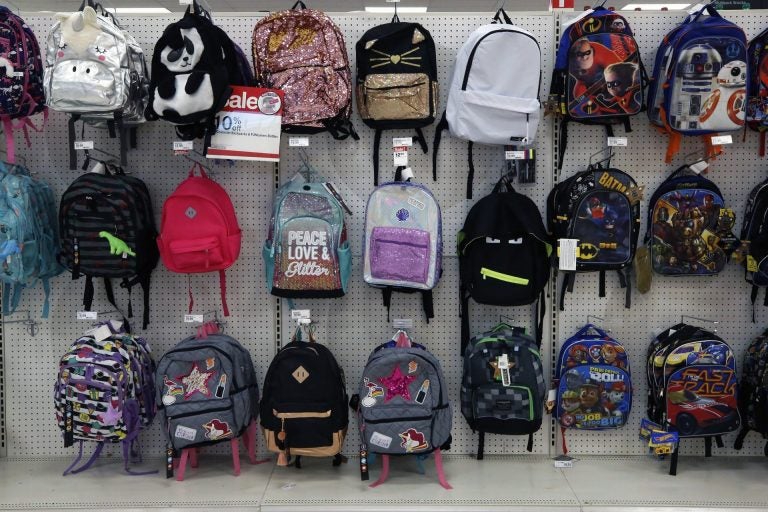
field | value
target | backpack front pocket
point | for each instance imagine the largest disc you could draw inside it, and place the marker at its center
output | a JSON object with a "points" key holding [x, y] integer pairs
{"points": [[400, 254], [207, 422], [399, 430], [198, 255], [395, 96]]}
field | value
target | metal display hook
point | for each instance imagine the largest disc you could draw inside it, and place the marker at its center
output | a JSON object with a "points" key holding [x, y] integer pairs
{"points": [[705, 158], [606, 159], [198, 162], [27, 320], [706, 320], [600, 322]]}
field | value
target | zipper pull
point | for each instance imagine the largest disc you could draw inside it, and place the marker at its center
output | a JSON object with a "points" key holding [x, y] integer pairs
{"points": [[169, 461], [281, 434]]}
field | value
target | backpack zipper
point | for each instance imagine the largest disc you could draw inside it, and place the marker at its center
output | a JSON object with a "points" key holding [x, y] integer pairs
{"points": [[486, 272]]}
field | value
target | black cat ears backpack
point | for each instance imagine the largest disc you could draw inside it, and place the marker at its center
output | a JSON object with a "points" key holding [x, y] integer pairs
{"points": [[190, 79]]}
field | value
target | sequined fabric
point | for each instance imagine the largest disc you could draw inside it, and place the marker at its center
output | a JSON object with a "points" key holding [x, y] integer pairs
{"points": [[394, 96]]}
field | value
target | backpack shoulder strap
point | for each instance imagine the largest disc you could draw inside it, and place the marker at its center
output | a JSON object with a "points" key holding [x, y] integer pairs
{"points": [[442, 125]]}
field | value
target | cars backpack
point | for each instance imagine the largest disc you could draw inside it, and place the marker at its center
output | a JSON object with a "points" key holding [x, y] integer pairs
{"points": [[600, 207], [689, 227], [194, 65], [594, 388], [107, 230], [403, 246], [502, 386], [504, 255], [599, 77], [307, 253], [397, 85], [757, 86], [493, 97], [753, 391], [21, 87], [206, 390], [304, 403], [302, 52], [199, 230], [699, 80], [754, 240], [96, 72], [104, 392]]}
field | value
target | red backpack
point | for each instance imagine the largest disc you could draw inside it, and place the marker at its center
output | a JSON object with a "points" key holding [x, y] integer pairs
{"points": [[199, 230]]}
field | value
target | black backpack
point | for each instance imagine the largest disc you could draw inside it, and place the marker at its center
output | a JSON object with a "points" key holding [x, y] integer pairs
{"points": [[396, 81], [753, 391], [99, 215], [192, 58], [504, 254], [754, 231], [595, 207], [304, 403]]}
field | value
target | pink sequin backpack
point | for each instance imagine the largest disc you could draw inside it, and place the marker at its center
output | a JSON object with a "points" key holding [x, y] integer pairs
{"points": [[302, 52]]}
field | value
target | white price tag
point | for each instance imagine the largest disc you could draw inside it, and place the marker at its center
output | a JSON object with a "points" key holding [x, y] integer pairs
{"points": [[699, 167], [719, 140], [402, 141], [83, 144], [193, 318], [567, 252], [402, 323], [298, 142], [183, 145], [563, 463], [18, 73], [87, 315], [514, 155], [185, 2], [617, 142], [99, 333], [300, 315], [401, 156]]}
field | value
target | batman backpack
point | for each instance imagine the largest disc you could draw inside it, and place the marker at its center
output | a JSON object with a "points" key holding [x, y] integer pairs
{"points": [[601, 209]]}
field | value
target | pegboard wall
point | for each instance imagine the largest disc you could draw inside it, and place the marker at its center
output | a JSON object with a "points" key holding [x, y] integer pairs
{"points": [[355, 324]]}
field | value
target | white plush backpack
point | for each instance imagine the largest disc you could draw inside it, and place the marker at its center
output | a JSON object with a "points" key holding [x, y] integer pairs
{"points": [[494, 93]]}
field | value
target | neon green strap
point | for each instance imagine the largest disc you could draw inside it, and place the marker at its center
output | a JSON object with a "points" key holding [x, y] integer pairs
{"points": [[486, 272]]}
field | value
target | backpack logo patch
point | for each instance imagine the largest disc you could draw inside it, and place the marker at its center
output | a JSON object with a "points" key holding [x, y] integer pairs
{"points": [[300, 374], [190, 212], [374, 392], [196, 382], [387, 59], [217, 429], [413, 440], [402, 215]]}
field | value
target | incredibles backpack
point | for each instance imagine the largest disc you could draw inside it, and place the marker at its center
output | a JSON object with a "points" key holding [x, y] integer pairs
{"points": [[199, 230], [302, 52], [689, 227], [753, 391], [403, 247], [757, 86], [598, 77], [397, 85], [754, 234], [601, 209], [493, 97], [699, 80], [502, 386]]}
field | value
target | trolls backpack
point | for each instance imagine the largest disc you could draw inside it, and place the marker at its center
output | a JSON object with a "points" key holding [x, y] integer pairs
{"points": [[594, 389], [753, 391], [757, 86], [502, 386], [21, 87], [307, 253], [302, 52], [403, 247], [598, 77], [494, 93], [206, 390], [193, 66], [107, 229], [304, 403], [504, 255], [597, 207], [699, 80], [397, 85], [104, 392], [199, 230], [689, 228]]}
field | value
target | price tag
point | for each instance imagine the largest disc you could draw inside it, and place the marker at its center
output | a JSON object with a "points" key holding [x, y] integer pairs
{"points": [[402, 141], [563, 461], [402, 323], [751, 263], [699, 167], [400, 155], [18, 74], [183, 145], [185, 2], [87, 315], [719, 140], [301, 316], [298, 142], [617, 142], [83, 144], [514, 155], [551, 400], [193, 318], [567, 253], [99, 333]]}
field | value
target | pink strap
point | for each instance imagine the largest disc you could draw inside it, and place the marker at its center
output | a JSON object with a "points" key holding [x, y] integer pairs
{"points": [[403, 341], [440, 472], [384, 471], [223, 284], [189, 291], [9, 145], [199, 167]]}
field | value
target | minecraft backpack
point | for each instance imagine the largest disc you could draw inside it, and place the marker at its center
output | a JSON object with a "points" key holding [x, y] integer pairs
{"points": [[754, 240], [757, 86], [753, 391]]}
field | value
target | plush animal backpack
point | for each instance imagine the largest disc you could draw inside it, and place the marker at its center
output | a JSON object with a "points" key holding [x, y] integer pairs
{"points": [[493, 97], [104, 392], [403, 405], [397, 85], [199, 230], [21, 87], [304, 403], [96, 72], [194, 65], [753, 389], [600, 207], [689, 227], [302, 52], [307, 254], [594, 389], [699, 80], [757, 86], [754, 235], [598, 77], [403, 247], [107, 230], [502, 386], [504, 255]]}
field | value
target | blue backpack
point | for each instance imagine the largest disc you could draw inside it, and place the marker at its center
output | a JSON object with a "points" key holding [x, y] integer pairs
{"points": [[699, 79]]}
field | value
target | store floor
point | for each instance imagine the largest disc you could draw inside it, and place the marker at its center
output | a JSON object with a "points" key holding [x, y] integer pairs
{"points": [[514, 483]]}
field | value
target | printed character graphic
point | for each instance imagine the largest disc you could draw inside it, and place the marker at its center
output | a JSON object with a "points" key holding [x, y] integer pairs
{"points": [[217, 429], [594, 353], [589, 396], [623, 86], [613, 355], [570, 402], [613, 399], [576, 355], [413, 440]]}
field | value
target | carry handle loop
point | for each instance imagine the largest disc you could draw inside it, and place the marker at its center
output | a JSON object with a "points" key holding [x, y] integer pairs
{"points": [[710, 8], [502, 17], [198, 166], [592, 327], [503, 185], [86, 3], [299, 4], [402, 340]]}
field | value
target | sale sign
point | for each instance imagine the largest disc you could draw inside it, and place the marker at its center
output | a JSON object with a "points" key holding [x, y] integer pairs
{"points": [[248, 127]]}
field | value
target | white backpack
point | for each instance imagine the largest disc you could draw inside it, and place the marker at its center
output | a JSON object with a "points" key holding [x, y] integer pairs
{"points": [[494, 93]]}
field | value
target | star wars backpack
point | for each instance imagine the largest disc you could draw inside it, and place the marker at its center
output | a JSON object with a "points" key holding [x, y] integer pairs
{"points": [[403, 247], [757, 86], [753, 391], [502, 385], [754, 241], [699, 80], [302, 52], [601, 209], [689, 227], [397, 85], [598, 76]]}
